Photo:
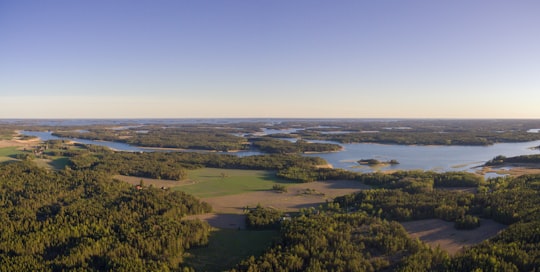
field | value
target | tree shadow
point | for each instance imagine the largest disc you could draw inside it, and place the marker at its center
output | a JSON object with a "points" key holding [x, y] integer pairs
{"points": [[227, 221]]}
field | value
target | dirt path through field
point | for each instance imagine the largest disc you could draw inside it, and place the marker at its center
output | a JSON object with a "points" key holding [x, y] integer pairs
{"points": [[438, 232]]}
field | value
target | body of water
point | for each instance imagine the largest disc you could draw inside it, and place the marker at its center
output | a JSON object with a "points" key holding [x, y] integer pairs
{"points": [[410, 157], [46, 136], [436, 158]]}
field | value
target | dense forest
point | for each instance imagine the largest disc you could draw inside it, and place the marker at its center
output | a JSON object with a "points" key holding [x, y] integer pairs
{"points": [[84, 220], [173, 165], [271, 145], [219, 140], [345, 242], [424, 138], [501, 160], [358, 232]]}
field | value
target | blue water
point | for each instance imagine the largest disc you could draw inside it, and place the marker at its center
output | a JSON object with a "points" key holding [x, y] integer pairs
{"points": [[435, 158], [46, 136]]}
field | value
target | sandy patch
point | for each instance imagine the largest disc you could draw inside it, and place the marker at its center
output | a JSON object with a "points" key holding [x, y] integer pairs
{"points": [[19, 143], [438, 232]]}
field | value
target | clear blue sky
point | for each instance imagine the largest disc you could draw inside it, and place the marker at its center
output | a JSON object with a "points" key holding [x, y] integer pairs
{"points": [[301, 58]]}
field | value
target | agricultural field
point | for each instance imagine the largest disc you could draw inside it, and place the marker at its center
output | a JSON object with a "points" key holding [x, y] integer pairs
{"points": [[214, 182], [439, 233]]}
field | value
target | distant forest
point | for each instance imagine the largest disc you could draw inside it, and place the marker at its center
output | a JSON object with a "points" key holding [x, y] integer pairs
{"points": [[247, 135]]}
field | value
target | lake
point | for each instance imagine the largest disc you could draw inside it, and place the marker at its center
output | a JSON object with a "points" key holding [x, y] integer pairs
{"points": [[410, 157], [436, 158]]}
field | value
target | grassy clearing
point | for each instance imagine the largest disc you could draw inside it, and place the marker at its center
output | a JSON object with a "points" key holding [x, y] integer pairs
{"points": [[6, 153], [212, 182], [227, 247]]}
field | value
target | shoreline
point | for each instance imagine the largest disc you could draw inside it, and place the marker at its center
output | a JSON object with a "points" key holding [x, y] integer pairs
{"points": [[511, 169]]}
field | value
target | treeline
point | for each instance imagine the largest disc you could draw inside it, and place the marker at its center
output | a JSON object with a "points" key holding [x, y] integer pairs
{"points": [[356, 232], [411, 180], [263, 218], [506, 200], [415, 137], [173, 165], [216, 139], [270, 145], [512, 201], [404, 206], [499, 160], [345, 242], [83, 220], [415, 180]]}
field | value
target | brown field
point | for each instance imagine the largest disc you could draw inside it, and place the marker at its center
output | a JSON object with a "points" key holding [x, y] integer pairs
{"points": [[19, 143], [229, 209], [436, 232]]}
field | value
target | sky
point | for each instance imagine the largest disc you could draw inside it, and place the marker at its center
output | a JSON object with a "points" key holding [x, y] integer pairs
{"points": [[269, 58]]}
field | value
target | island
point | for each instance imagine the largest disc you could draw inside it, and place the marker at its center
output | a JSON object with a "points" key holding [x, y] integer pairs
{"points": [[374, 162]]}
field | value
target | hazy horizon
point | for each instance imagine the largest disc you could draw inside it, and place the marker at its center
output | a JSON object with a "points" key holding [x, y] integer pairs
{"points": [[269, 59]]}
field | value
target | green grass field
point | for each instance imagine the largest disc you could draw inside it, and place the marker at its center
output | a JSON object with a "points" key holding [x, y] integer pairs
{"points": [[211, 182], [7, 152], [227, 247]]}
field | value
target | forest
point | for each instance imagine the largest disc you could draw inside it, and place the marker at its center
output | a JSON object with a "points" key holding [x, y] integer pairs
{"points": [[271, 145], [501, 160], [173, 165], [85, 221], [360, 232], [79, 218]]}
